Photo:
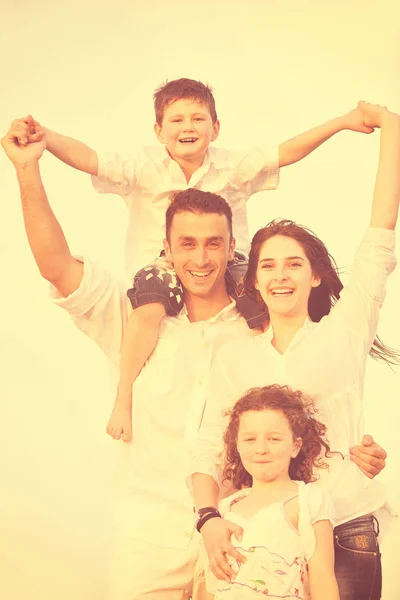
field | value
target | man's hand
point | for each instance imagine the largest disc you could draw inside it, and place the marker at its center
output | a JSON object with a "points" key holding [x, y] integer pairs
{"points": [[354, 120], [23, 143], [217, 540], [369, 457]]}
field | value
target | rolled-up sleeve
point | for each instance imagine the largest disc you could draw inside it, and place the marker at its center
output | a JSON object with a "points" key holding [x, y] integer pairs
{"points": [[116, 174], [98, 308], [258, 170], [362, 297]]}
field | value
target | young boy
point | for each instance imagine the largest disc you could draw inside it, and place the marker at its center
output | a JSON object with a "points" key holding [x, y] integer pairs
{"points": [[186, 124]]}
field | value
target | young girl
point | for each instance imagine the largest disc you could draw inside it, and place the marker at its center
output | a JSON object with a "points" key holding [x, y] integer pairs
{"points": [[272, 443]]}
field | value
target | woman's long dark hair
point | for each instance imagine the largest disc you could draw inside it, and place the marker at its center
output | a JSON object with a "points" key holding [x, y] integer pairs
{"points": [[299, 412], [323, 297]]}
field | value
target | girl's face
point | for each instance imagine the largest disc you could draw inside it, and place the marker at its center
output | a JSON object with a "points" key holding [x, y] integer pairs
{"points": [[266, 445], [284, 277]]}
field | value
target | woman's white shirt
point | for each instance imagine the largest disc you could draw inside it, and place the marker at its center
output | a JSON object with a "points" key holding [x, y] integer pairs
{"points": [[326, 361]]}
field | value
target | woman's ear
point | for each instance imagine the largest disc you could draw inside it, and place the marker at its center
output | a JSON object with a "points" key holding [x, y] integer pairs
{"points": [[315, 281]]}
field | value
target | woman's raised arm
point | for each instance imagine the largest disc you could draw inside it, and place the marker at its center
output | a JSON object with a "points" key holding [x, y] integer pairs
{"points": [[385, 204]]}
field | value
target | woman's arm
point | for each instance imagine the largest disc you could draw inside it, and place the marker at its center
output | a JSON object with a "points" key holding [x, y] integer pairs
{"points": [[321, 566], [385, 204], [361, 300]]}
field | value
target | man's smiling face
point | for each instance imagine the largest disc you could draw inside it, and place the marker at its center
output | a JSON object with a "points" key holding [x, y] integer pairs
{"points": [[200, 246]]}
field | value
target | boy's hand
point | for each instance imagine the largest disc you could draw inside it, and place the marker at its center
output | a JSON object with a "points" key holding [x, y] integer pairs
{"points": [[17, 146], [374, 114], [36, 132], [354, 120]]}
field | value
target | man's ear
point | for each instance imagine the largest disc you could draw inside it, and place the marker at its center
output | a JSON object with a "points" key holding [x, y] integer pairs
{"points": [[232, 247], [167, 250], [158, 132]]}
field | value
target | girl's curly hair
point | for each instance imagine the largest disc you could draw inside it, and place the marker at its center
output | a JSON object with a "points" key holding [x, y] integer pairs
{"points": [[299, 411]]}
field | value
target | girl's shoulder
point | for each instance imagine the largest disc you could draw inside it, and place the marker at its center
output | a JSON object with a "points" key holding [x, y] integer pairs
{"points": [[315, 505], [315, 502], [225, 504]]}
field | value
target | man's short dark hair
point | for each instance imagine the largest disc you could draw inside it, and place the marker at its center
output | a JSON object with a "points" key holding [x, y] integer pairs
{"points": [[196, 201], [179, 89]]}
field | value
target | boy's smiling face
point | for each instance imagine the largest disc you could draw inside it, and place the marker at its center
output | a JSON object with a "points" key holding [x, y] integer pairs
{"points": [[187, 130]]}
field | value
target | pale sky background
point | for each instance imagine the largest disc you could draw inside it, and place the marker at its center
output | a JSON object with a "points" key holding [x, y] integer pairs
{"points": [[277, 68]]}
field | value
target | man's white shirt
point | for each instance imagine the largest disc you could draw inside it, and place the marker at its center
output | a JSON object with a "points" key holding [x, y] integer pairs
{"points": [[152, 499]]}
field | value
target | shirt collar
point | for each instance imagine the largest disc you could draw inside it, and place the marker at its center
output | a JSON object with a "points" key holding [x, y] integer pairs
{"points": [[228, 313], [210, 158], [304, 329]]}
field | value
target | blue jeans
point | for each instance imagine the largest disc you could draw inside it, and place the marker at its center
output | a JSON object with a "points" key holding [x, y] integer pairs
{"points": [[358, 566]]}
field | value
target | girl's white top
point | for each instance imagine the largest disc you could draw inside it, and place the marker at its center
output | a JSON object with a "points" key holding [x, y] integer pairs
{"points": [[325, 360], [277, 553]]}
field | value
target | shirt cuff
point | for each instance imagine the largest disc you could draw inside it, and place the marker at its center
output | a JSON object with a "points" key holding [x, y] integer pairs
{"points": [[381, 237], [272, 160]]}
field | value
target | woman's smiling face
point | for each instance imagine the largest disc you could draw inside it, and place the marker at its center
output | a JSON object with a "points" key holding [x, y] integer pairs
{"points": [[284, 277]]}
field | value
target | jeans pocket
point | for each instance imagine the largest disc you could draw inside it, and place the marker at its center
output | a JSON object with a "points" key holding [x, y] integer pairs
{"points": [[357, 543]]}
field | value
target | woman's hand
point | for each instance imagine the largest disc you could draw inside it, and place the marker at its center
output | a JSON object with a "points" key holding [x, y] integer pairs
{"points": [[374, 114]]}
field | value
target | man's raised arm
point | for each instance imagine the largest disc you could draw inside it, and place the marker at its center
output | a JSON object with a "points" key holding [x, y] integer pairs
{"points": [[45, 236]]}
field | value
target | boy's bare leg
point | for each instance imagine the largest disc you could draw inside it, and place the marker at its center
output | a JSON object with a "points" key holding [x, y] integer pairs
{"points": [[139, 341]]}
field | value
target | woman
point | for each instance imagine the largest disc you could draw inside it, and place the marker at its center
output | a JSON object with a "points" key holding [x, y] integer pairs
{"points": [[318, 348]]}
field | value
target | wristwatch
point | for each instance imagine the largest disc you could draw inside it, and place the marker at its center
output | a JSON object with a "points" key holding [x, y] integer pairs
{"points": [[204, 514]]}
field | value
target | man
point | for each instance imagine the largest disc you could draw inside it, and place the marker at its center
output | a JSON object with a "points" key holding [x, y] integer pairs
{"points": [[155, 547]]}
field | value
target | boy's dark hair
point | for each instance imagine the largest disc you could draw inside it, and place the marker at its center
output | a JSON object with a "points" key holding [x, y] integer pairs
{"points": [[178, 89], [196, 201]]}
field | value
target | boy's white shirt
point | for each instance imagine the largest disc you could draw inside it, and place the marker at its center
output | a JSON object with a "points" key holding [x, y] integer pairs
{"points": [[153, 503], [147, 181]]}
